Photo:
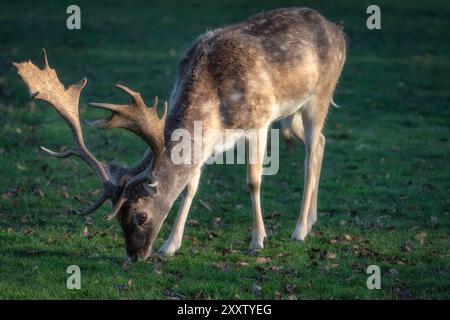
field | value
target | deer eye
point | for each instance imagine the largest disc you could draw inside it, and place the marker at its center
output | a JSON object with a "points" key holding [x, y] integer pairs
{"points": [[140, 218]]}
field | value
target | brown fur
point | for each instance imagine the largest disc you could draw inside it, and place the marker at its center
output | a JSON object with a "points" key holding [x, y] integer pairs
{"points": [[282, 64]]}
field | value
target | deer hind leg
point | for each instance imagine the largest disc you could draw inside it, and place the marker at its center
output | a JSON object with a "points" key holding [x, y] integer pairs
{"points": [[292, 126], [173, 243], [312, 214], [313, 116], [256, 147]]}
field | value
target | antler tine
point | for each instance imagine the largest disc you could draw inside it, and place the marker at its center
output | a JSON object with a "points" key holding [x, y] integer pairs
{"points": [[138, 118], [155, 103], [63, 154], [104, 196], [43, 84], [44, 54], [163, 117], [136, 96]]}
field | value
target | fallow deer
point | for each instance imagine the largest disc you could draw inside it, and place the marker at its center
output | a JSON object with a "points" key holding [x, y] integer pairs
{"points": [[279, 65]]}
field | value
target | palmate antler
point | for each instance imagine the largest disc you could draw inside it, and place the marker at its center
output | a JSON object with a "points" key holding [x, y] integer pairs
{"points": [[144, 122], [118, 183]]}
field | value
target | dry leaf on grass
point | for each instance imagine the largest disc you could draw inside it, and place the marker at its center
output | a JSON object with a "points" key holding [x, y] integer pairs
{"points": [[85, 233], [393, 271], [158, 268], [329, 255], [219, 265], [172, 295], [193, 223], [38, 193], [434, 221], [290, 288], [421, 237], [262, 260], [205, 205], [256, 290], [241, 264], [405, 248]]}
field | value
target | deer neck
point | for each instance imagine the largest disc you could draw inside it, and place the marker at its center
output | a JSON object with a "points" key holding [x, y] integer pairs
{"points": [[172, 178]]}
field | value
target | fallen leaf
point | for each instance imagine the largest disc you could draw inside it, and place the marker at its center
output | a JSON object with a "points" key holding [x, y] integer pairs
{"points": [[216, 222], [96, 192], [212, 235], [393, 271], [290, 288], [331, 266], [126, 265], [273, 215], [123, 287], [421, 237], [193, 223], [28, 231], [201, 296], [256, 290], [38, 193], [348, 237], [205, 205], [362, 251], [329, 255], [262, 260], [277, 296], [241, 264], [88, 221], [434, 221], [405, 248], [219, 265], [85, 233], [275, 268], [172, 295], [10, 193], [158, 268]]}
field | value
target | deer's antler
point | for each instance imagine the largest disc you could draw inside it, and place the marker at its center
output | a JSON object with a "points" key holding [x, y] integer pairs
{"points": [[43, 84], [144, 122], [136, 117]]}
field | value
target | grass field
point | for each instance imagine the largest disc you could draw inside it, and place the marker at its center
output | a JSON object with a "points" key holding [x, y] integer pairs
{"points": [[384, 195]]}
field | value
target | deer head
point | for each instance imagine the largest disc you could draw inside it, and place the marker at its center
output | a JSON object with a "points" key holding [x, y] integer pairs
{"points": [[130, 190]]}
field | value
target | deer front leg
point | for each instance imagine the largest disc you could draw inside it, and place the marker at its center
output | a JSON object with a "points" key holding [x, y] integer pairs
{"points": [[256, 149], [173, 243]]}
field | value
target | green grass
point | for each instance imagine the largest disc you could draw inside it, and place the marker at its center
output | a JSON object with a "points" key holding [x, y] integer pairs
{"points": [[385, 174]]}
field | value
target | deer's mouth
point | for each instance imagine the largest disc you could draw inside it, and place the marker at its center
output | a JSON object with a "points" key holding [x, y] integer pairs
{"points": [[140, 255]]}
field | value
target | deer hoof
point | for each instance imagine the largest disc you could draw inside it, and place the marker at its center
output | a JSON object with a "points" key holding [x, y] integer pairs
{"points": [[168, 249], [257, 243], [300, 233]]}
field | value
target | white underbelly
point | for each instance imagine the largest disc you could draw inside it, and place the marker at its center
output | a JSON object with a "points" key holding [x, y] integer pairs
{"points": [[285, 109]]}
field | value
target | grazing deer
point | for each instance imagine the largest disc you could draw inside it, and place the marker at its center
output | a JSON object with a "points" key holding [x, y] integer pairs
{"points": [[279, 65]]}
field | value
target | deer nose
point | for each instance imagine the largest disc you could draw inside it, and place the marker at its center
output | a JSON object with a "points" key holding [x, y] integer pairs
{"points": [[141, 218]]}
